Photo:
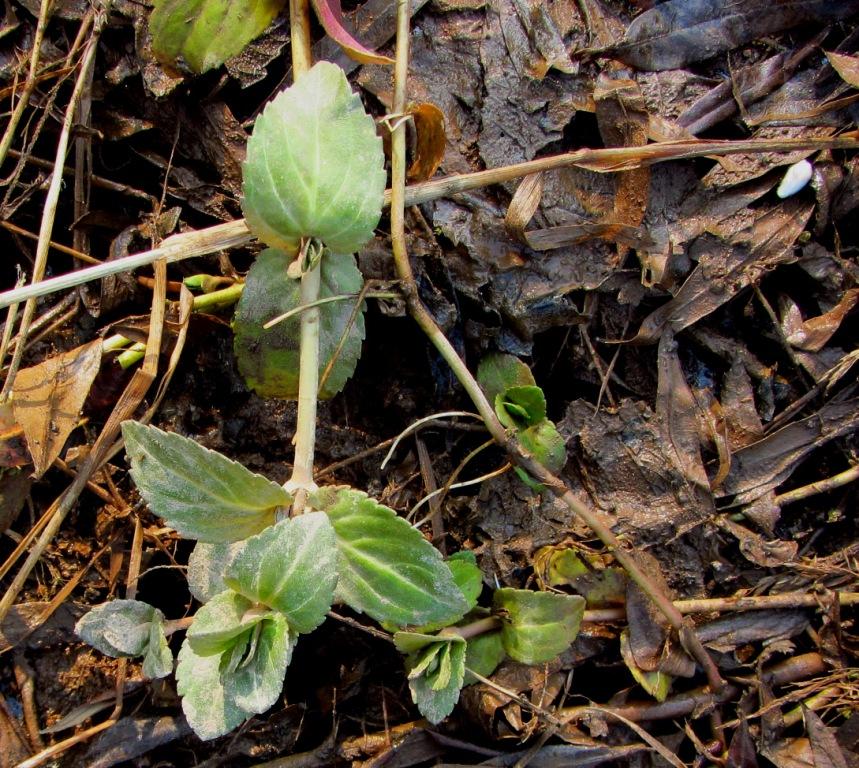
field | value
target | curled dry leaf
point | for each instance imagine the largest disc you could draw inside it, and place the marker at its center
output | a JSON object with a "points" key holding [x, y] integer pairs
{"points": [[48, 397], [811, 335], [847, 67], [680, 32], [330, 15], [430, 141]]}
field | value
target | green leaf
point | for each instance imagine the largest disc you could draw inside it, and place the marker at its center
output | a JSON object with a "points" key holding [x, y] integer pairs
{"points": [[158, 660], [388, 570], [206, 568], [656, 683], [203, 34], [437, 692], [220, 621], [127, 628], [537, 626], [412, 642], [207, 707], [466, 574], [545, 444], [200, 493], [498, 372], [483, 655], [314, 166], [292, 568], [269, 359], [257, 683], [518, 407], [120, 628]]}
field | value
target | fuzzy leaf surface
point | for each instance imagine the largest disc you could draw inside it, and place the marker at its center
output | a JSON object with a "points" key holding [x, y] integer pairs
{"points": [[207, 707], [436, 692], [200, 493], [206, 568], [120, 628], [537, 626], [269, 359], [388, 570], [219, 622], [257, 683], [203, 34], [290, 567], [158, 659], [314, 166]]}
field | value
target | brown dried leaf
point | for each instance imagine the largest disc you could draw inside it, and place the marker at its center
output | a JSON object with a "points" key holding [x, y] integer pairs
{"points": [[769, 553], [678, 423], [545, 37], [649, 632], [847, 67], [726, 267], [738, 405], [431, 141], [762, 466], [811, 335], [13, 446], [48, 397], [523, 206], [824, 746], [623, 121], [680, 32], [14, 488]]}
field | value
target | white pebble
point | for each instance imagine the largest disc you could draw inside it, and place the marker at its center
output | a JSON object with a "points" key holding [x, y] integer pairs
{"points": [[796, 177]]}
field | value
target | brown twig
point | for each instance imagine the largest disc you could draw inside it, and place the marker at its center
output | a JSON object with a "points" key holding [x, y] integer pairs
{"points": [[427, 323]]}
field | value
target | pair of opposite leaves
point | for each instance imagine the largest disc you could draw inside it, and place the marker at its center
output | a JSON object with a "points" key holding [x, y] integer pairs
{"points": [[314, 169]]}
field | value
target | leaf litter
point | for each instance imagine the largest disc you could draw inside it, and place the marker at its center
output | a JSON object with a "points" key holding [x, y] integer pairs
{"points": [[694, 334]]}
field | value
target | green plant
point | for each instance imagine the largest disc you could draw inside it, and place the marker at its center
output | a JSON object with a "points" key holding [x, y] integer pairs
{"points": [[271, 560]]}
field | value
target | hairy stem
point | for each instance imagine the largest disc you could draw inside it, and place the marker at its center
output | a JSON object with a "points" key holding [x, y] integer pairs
{"points": [[301, 481], [426, 322]]}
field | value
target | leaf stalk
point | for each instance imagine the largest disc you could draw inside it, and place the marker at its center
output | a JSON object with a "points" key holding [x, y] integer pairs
{"points": [[522, 458]]}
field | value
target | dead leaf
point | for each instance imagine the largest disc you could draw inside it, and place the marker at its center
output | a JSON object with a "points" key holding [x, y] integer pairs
{"points": [[726, 267], [811, 335], [430, 142], [48, 397], [15, 486], [132, 737], [523, 206], [824, 746], [738, 405], [13, 742], [746, 86], [764, 465], [13, 446], [545, 37], [742, 752], [677, 411], [650, 635], [847, 67], [680, 32], [623, 121]]}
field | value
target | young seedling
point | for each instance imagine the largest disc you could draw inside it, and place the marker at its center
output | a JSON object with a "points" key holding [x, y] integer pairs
{"points": [[313, 183]]}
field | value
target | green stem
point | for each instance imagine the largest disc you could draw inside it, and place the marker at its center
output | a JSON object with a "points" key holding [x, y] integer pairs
{"points": [[308, 386], [475, 628], [301, 482], [517, 453]]}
